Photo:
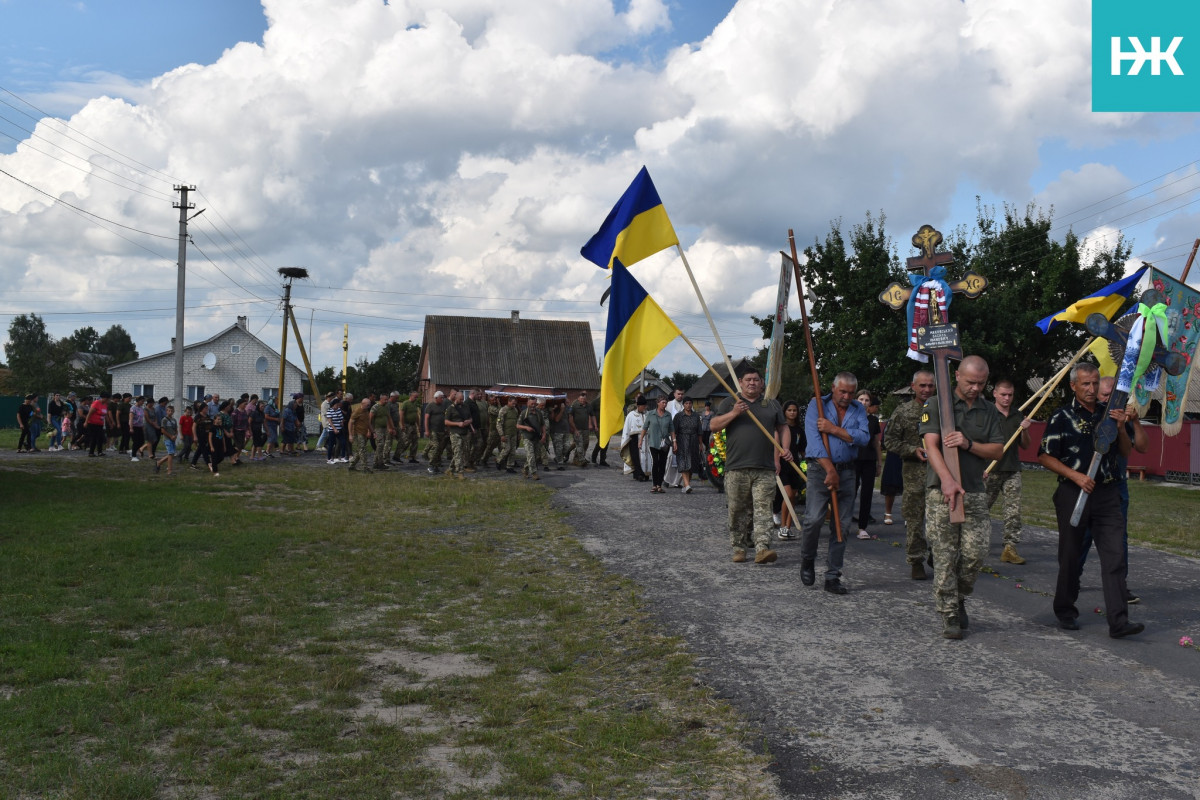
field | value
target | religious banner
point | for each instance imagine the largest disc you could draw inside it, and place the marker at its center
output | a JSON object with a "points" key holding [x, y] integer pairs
{"points": [[1183, 334], [775, 350]]}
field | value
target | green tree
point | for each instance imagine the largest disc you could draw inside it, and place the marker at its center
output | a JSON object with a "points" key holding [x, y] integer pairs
{"points": [[1030, 276], [84, 340], [682, 380], [117, 344], [852, 331], [37, 363]]}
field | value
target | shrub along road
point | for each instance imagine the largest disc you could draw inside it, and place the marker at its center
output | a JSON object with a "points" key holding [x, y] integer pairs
{"points": [[859, 696]]}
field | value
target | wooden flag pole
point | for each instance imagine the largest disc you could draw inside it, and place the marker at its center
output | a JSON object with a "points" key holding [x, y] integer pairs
{"points": [[1188, 267], [816, 381], [712, 325], [1044, 392], [732, 393]]}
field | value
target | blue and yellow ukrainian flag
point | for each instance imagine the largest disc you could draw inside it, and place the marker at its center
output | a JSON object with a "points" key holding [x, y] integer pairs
{"points": [[1107, 301], [637, 227], [637, 331]]}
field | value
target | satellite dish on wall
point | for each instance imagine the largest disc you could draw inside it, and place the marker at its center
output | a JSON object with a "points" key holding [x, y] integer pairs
{"points": [[210, 360], [261, 364]]}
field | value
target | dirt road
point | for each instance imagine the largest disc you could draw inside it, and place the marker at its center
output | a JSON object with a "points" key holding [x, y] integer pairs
{"points": [[859, 696]]}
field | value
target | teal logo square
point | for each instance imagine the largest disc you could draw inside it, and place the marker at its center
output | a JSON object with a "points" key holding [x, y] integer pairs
{"points": [[1145, 55]]}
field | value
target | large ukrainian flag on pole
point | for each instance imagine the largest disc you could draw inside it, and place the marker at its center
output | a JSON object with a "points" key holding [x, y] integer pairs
{"points": [[1107, 301], [637, 227], [637, 331]]}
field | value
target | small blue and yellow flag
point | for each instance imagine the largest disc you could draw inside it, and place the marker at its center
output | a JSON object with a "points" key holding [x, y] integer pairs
{"points": [[638, 330], [636, 228], [1107, 301]]}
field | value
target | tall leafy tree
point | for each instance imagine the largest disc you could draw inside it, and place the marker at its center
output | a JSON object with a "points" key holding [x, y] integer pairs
{"points": [[117, 344], [37, 364], [1030, 274], [682, 380], [852, 331], [84, 340]]}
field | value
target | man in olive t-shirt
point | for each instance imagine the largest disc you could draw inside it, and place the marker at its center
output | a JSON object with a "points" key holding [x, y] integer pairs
{"points": [[959, 549]]}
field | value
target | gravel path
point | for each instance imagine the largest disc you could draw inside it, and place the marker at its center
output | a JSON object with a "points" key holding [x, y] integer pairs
{"points": [[859, 696]]}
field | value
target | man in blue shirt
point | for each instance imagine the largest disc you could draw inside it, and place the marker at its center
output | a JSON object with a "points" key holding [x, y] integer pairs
{"points": [[831, 473]]}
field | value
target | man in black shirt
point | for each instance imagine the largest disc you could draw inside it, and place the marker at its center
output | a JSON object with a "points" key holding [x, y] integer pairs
{"points": [[1066, 450]]}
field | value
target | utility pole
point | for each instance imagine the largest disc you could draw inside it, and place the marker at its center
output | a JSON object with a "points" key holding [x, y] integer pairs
{"points": [[345, 353], [183, 205], [289, 274]]}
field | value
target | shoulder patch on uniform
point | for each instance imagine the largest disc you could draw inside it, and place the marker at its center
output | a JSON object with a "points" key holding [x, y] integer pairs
{"points": [[925, 417]]}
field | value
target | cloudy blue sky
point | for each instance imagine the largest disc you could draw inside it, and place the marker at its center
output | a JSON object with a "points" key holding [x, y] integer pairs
{"points": [[451, 157]]}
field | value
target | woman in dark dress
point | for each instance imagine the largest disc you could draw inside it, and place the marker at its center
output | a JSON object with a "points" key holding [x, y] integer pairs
{"points": [[686, 443], [891, 484], [793, 484]]}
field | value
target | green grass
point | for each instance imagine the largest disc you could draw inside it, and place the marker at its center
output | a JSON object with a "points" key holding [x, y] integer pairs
{"points": [[298, 633], [1160, 515]]}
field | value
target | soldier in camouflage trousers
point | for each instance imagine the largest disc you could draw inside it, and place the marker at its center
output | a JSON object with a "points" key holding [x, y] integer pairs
{"points": [[458, 423], [959, 549], [759, 486], [902, 437], [381, 424], [1005, 477], [410, 429], [506, 426], [491, 434], [532, 424]]}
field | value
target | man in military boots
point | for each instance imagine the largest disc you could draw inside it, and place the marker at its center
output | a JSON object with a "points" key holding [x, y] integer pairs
{"points": [[902, 437], [959, 549]]}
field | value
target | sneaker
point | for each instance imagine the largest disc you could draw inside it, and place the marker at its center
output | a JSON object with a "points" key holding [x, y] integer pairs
{"points": [[784, 533], [331, 461], [777, 519], [863, 534], [687, 490], [134, 459]]}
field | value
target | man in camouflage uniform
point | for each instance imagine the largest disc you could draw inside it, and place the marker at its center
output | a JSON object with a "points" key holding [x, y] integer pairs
{"points": [[751, 465], [360, 430], [582, 425], [473, 403], [410, 425], [959, 549], [560, 433], [435, 428], [490, 433], [600, 449], [393, 404], [458, 423], [532, 424], [506, 426], [381, 424], [903, 438], [1005, 479]]}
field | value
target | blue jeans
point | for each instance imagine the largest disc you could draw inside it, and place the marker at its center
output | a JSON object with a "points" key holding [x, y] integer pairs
{"points": [[817, 502]]}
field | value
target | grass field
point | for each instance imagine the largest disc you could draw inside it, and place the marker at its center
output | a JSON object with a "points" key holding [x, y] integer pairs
{"points": [[297, 633]]}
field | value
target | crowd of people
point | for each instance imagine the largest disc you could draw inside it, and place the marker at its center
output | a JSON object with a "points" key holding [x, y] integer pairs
{"points": [[775, 458], [940, 475]]}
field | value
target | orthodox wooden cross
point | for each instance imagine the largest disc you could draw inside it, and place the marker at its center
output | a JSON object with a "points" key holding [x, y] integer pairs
{"points": [[939, 338], [1106, 431]]}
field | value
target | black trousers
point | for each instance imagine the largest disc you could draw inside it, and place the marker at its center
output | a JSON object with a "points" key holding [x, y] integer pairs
{"points": [[1103, 514], [865, 474], [658, 466]]}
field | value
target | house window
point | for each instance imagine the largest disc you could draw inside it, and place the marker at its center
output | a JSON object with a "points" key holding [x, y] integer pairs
{"points": [[143, 390], [270, 393], [195, 393], [236, 349]]}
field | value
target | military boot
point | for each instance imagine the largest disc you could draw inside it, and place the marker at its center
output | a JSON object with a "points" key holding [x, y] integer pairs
{"points": [[963, 621], [950, 628], [1010, 556]]}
